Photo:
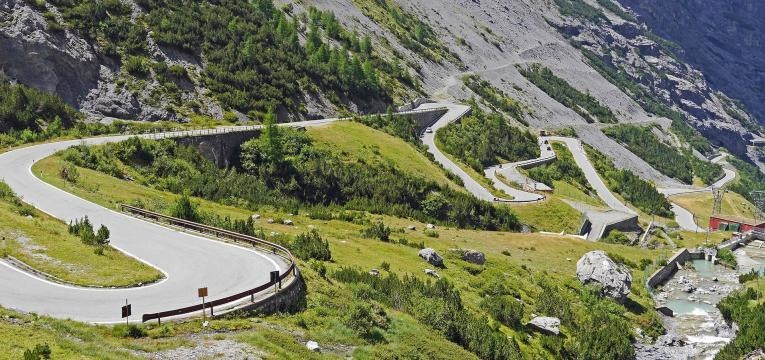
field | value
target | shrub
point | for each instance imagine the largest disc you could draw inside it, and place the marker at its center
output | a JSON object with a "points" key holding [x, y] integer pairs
{"points": [[726, 257], [185, 209], [39, 352], [752, 275], [137, 66], [378, 231], [83, 229], [128, 331], [102, 236], [69, 173], [616, 237], [504, 309], [310, 245], [431, 233]]}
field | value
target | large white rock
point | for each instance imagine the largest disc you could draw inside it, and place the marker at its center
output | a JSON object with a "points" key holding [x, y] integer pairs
{"points": [[597, 267], [430, 255], [313, 346], [550, 325]]}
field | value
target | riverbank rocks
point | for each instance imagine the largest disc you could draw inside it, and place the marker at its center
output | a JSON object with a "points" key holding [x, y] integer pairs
{"points": [[596, 267], [545, 324], [431, 256]]}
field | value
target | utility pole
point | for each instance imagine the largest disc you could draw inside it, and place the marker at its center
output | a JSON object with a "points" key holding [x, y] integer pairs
{"points": [[758, 198]]}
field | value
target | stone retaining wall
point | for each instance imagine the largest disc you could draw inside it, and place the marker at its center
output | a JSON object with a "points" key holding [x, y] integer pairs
{"points": [[665, 272], [222, 149]]}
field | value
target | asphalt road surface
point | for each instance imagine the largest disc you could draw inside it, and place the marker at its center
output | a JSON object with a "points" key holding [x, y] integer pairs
{"points": [[188, 261]]}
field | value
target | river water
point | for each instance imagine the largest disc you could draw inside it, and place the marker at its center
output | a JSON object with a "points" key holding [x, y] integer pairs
{"points": [[697, 331]]}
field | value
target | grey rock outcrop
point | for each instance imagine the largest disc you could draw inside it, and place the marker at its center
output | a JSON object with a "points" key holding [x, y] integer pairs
{"points": [[596, 267], [473, 256], [723, 39], [548, 325], [57, 62], [431, 256]]}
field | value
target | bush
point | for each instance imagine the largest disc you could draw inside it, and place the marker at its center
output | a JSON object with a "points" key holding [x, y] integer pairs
{"points": [[310, 245], [185, 209], [616, 237], [504, 309], [752, 275], [128, 331], [70, 173], [377, 231], [137, 66], [431, 233], [39, 352], [726, 257], [83, 229], [482, 140]]}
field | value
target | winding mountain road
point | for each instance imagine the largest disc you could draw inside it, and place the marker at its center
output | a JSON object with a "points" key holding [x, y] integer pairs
{"points": [[188, 261], [599, 219], [684, 218]]}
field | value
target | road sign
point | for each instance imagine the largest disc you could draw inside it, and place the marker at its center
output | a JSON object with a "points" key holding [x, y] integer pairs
{"points": [[127, 310], [202, 292], [274, 276]]}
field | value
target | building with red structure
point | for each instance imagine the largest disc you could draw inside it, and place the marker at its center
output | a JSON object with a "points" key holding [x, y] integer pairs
{"points": [[734, 223]]}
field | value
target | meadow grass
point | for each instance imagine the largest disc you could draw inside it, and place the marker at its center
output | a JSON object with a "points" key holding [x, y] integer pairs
{"points": [[44, 243], [700, 204]]}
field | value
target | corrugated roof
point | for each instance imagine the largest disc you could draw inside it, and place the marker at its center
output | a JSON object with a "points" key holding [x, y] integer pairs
{"points": [[738, 219]]}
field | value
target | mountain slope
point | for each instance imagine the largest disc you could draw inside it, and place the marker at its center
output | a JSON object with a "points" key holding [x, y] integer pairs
{"points": [[723, 39]]}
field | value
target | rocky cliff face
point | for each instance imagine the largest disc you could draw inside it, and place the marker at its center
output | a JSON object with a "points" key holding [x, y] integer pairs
{"points": [[724, 39], [56, 62], [488, 38], [61, 62]]}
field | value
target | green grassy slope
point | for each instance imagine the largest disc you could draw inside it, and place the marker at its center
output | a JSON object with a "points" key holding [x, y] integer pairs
{"points": [[526, 256]]}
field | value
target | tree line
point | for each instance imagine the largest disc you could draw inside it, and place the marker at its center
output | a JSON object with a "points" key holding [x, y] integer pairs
{"points": [[583, 104], [631, 187], [283, 169], [484, 139]]}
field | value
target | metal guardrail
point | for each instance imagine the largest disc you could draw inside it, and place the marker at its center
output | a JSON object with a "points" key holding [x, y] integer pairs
{"points": [[279, 250], [160, 133]]}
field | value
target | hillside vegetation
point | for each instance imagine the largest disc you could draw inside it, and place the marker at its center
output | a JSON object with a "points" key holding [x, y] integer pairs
{"points": [[284, 169], [583, 104], [631, 187], [359, 143], [43, 243], [347, 306], [563, 169], [484, 139], [253, 59], [666, 159]]}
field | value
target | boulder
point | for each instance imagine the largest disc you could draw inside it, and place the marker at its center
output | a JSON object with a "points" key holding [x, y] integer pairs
{"points": [[288, 222], [256, 217], [432, 273], [545, 324], [270, 221], [374, 272], [430, 226], [596, 267], [474, 256], [313, 346], [411, 227], [432, 257]]}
